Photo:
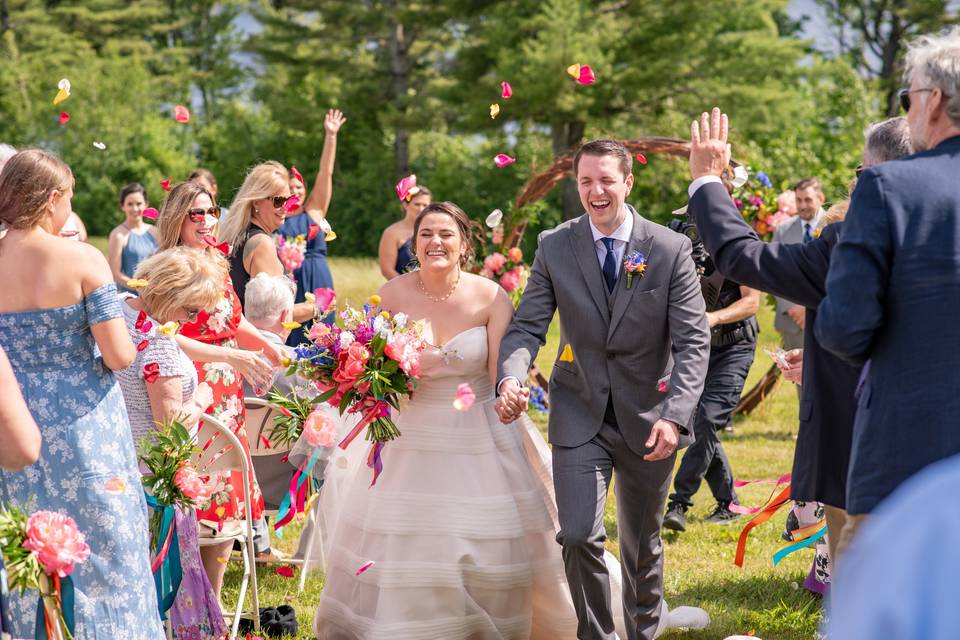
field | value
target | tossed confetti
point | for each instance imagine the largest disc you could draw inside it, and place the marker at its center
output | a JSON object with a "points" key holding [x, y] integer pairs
{"points": [[494, 111], [740, 176], [366, 565], [99, 145], [465, 397], [169, 329], [296, 174], [137, 283], [583, 74], [181, 113], [494, 219], [292, 204], [313, 231], [662, 386], [64, 118], [63, 91], [506, 91], [642, 159], [309, 297], [142, 324], [502, 160], [286, 571], [222, 247], [291, 325], [150, 213], [165, 184], [407, 188]]}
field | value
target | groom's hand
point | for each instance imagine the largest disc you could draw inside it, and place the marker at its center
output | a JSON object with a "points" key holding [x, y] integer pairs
{"points": [[709, 151], [664, 438], [513, 400]]}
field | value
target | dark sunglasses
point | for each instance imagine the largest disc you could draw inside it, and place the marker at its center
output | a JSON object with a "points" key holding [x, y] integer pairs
{"points": [[279, 201], [904, 95], [197, 215]]}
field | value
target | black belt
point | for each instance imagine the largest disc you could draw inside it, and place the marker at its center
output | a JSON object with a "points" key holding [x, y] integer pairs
{"points": [[728, 334]]}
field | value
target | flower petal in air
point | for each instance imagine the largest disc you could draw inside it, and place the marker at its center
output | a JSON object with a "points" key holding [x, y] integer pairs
{"points": [[150, 213], [573, 71], [313, 231], [324, 298], [465, 397], [309, 297], [169, 329], [292, 204], [165, 184], [506, 91], [136, 283], [296, 174], [642, 159], [64, 118], [366, 565], [291, 325], [407, 188], [286, 571], [495, 217], [99, 145], [181, 113], [494, 111], [586, 75], [740, 176], [330, 236], [63, 91], [502, 160]]}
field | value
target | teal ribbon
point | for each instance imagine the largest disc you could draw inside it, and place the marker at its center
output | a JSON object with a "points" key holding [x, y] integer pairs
{"points": [[283, 510], [67, 603], [783, 553], [169, 574]]}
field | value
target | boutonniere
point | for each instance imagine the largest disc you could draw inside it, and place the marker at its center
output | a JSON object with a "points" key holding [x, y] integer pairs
{"points": [[634, 264]]}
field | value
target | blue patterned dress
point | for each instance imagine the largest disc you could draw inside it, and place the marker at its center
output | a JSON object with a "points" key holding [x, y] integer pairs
{"points": [[77, 403], [314, 273]]}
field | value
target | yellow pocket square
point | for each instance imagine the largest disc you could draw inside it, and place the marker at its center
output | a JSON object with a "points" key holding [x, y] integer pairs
{"points": [[567, 354]]}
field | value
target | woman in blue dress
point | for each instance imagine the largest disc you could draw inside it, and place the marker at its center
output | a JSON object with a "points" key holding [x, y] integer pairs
{"points": [[396, 244], [64, 336], [309, 221], [133, 239]]}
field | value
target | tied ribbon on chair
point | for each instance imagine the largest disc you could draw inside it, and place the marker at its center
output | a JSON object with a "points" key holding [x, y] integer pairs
{"points": [[165, 563], [63, 602], [765, 514], [295, 499], [380, 409]]}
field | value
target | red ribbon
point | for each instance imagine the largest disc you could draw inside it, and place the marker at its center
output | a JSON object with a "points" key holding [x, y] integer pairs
{"points": [[374, 460], [765, 514], [376, 411], [158, 560]]}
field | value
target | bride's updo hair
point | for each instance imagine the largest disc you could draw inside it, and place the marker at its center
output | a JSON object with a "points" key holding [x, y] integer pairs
{"points": [[463, 224]]}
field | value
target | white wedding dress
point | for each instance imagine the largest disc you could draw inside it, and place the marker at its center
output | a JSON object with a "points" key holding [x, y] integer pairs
{"points": [[460, 526]]}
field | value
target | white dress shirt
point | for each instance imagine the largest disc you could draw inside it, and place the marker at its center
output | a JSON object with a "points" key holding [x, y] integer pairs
{"points": [[621, 238]]}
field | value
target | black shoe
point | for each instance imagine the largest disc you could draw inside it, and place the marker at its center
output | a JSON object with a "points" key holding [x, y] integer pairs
{"points": [[721, 515], [675, 518], [792, 525]]}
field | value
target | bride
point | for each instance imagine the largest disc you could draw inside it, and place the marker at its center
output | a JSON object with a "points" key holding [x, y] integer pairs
{"points": [[457, 538]]}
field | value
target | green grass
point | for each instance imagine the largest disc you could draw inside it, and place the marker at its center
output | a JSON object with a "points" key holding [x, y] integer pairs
{"points": [[699, 569]]}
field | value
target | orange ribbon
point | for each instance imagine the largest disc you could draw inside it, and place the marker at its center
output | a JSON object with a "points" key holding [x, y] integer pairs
{"points": [[765, 514]]}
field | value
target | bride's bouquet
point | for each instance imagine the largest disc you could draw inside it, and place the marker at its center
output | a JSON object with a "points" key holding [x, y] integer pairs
{"points": [[363, 367], [39, 553]]}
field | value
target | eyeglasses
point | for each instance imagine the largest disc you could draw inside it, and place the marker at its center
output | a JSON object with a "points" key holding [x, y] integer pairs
{"points": [[191, 314], [279, 201], [904, 95], [197, 215]]}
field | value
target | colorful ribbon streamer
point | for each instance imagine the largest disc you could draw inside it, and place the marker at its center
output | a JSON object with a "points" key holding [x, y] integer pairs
{"points": [[796, 546], [782, 479], [66, 601], [297, 494], [165, 564], [765, 514], [375, 461]]}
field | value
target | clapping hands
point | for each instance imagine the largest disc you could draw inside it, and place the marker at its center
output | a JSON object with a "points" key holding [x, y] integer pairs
{"points": [[513, 400]]}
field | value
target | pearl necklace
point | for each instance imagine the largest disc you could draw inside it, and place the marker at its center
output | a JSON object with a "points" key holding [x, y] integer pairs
{"points": [[423, 288]]}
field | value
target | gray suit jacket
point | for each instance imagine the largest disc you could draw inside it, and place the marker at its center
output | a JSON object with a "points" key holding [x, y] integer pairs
{"points": [[790, 232], [623, 344]]}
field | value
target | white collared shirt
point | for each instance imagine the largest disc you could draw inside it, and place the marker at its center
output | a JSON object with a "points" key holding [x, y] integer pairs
{"points": [[621, 237]]}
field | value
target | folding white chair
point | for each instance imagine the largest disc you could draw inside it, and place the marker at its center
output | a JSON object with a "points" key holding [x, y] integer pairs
{"points": [[260, 424], [224, 452]]}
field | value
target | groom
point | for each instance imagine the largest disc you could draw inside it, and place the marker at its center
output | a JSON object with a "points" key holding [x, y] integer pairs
{"points": [[633, 354]]}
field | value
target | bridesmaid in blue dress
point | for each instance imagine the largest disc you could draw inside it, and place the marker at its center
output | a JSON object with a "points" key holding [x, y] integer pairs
{"points": [[64, 335], [309, 220], [396, 252], [133, 239]]}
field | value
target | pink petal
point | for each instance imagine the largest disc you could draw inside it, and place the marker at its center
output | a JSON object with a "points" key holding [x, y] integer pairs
{"points": [[502, 160], [165, 184], [292, 204], [465, 398], [150, 213], [181, 113], [286, 571], [64, 118], [407, 187], [296, 174], [506, 90], [586, 75], [325, 298], [642, 159], [366, 565]]}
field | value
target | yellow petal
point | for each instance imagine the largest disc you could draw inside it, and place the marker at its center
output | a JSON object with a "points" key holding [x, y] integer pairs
{"points": [[136, 283], [222, 560], [62, 95], [330, 236], [385, 315], [169, 328], [494, 110], [290, 326], [573, 71], [567, 354], [285, 361], [220, 511], [309, 297], [374, 299]]}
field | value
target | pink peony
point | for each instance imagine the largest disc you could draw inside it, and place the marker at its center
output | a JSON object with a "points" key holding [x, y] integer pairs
{"points": [[510, 280], [320, 429], [787, 202], [352, 362], [56, 542], [405, 349], [190, 484], [515, 254], [494, 262], [464, 398], [318, 330]]}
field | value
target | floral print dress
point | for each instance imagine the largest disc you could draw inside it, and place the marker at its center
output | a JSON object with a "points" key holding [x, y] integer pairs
{"points": [[220, 328]]}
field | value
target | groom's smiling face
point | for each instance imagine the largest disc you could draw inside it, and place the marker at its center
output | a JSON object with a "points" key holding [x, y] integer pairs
{"points": [[603, 189]]}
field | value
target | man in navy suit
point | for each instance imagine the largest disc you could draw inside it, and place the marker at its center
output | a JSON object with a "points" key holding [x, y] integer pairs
{"points": [[796, 272], [893, 289]]}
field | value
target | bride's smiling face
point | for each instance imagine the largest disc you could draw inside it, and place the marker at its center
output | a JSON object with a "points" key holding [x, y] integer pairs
{"points": [[439, 243]]}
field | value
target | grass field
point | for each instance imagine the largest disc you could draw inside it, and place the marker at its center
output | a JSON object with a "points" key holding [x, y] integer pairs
{"points": [[760, 599]]}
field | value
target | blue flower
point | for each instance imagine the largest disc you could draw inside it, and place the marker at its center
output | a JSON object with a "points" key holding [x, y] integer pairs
{"points": [[538, 398], [764, 179]]}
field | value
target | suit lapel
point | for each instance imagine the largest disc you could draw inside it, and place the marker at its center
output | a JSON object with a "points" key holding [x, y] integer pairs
{"points": [[585, 252], [640, 241]]}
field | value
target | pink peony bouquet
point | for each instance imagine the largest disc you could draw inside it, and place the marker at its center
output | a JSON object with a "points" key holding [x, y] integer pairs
{"points": [[508, 270], [363, 366], [40, 552], [291, 250]]}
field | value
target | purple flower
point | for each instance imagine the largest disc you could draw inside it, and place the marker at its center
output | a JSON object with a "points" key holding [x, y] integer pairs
{"points": [[756, 201], [738, 203]]}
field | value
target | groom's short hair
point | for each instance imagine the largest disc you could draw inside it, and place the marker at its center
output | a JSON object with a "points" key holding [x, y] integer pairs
{"points": [[605, 148]]}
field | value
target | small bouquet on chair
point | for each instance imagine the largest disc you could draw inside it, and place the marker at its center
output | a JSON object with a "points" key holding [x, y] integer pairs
{"points": [[364, 367], [40, 552], [171, 482]]}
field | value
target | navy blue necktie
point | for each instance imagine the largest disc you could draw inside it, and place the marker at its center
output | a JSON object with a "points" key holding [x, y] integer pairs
{"points": [[609, 264], [806, 233]]}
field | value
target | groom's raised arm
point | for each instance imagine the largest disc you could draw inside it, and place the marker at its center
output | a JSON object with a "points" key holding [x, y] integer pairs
{"points": [[528, 330], [690, 338]]}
